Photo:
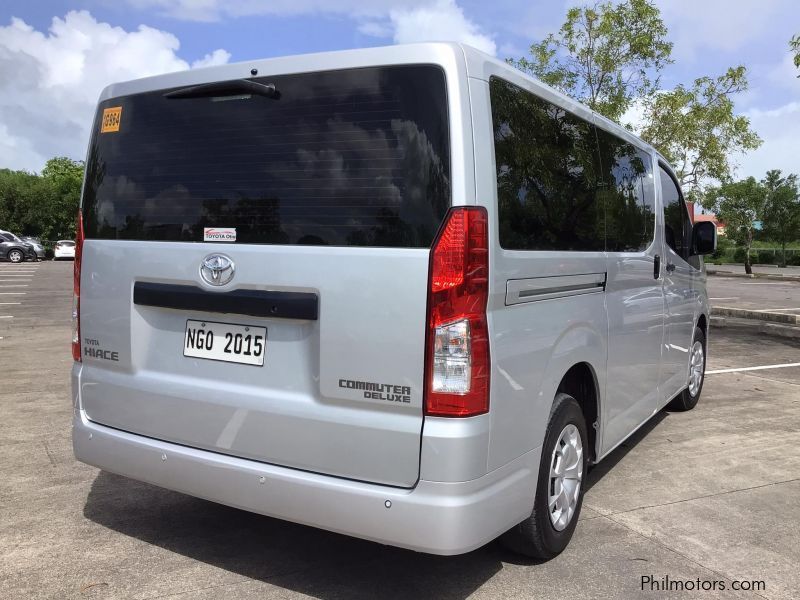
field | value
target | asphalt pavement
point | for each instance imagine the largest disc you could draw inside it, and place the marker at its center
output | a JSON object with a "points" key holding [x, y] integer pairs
{"points": [[790, 271], [755, 294], [708, 496]]}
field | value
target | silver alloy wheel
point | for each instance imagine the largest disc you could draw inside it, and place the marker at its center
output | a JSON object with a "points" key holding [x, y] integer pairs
{"points": [[696, 368], [15, 256], [566, 474]]}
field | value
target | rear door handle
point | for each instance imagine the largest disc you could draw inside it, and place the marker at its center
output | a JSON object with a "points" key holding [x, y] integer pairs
{"points": [[670, 267], [657, 267]]}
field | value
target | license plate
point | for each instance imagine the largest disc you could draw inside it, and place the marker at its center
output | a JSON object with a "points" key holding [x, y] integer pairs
{"points": [[226, 342]]}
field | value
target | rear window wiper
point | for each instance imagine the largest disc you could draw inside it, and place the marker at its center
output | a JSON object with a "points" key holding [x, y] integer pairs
{"points": [[225, 88]]}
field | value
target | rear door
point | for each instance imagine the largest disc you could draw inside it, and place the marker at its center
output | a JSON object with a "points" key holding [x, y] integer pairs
{"points": [[325, 197]]}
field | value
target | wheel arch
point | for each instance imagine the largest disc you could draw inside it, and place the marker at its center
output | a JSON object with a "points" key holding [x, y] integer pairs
{"points": [[702, 323], [580, 382]]}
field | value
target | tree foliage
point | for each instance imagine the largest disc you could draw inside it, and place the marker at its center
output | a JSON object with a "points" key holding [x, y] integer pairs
{"points": [[697, 129], [609, 56], [605, 56], [794, 46], [739, 205], [43, 205], [781, 214]]}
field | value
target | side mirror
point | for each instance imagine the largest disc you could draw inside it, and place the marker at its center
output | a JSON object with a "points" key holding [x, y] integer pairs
{"points": [[704, 238]]}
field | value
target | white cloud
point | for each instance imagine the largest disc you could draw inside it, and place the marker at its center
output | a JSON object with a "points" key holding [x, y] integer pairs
{"points": [[50, 81], [217, 57], [214, 10], [784, 75], [696, 26], [780, 130], [402, 20], [375, 29], [437, 21], [443, 20]]}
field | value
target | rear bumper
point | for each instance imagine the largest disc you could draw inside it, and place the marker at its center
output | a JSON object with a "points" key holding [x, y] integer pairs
{"points": [[434, 517]]}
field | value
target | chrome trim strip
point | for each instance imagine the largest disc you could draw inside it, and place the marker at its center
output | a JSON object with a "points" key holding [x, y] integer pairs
{"points": [[546, 288]]}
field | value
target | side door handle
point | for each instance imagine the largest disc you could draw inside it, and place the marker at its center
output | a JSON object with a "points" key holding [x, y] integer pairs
{"points": [[657, 266], [670, 267]]}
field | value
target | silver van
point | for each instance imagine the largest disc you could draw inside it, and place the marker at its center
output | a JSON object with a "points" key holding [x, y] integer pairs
{"points": [[407, 294]]}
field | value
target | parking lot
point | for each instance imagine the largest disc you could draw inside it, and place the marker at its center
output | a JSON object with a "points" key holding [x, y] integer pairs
{"points": [[711, 494]]}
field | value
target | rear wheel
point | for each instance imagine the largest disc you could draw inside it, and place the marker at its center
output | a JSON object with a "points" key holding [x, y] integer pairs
{"points": [[16, 256], [688, 398], [559, 489]]}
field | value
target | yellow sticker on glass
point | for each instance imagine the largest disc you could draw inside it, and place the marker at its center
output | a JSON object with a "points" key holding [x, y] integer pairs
{"points": [[111, 119]]}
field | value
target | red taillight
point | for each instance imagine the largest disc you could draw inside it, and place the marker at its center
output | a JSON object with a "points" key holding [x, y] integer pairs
{"points": [[76, 291], [457, 352]]}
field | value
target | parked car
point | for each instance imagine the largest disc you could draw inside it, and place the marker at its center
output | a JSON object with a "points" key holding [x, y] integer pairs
{"points": [[14, 249], [64, 249], [37, 246], [446, 290]]}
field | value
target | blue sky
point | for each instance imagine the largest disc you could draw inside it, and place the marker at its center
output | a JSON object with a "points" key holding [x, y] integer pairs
{"points": [[58, 66]]}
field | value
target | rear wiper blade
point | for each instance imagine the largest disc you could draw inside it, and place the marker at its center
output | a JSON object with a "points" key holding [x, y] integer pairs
{"points": [[225, 88]]}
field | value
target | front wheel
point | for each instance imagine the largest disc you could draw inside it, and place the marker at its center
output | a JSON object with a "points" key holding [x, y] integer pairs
{"points": [[688, 398], [559, 488], [16, 256]]}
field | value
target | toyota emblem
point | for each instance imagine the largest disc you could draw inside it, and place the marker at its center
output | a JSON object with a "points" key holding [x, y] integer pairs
{"points": [[217, 269]]}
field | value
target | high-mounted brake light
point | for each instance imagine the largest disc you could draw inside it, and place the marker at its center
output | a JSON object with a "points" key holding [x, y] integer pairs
{"points": [[76, 291], [457, 350]]}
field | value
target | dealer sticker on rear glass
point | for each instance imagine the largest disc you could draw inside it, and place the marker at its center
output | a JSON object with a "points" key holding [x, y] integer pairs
{"points": [[219, 234], [112, 117]]}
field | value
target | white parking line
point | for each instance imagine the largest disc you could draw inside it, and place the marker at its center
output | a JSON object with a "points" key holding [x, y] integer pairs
{"points": [[10, 286], [783, 366], [731, 298], [13, 280], [13, 293], [776, 309], [6, 317], [6, 303]]}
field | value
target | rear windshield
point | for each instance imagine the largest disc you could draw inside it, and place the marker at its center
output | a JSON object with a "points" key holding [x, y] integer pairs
{"points": [[355, 157]]}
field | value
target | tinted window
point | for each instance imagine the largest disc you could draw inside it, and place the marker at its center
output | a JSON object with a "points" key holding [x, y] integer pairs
{"points": [[354, 157], [546, 174], [676, 219], [627, 194]]}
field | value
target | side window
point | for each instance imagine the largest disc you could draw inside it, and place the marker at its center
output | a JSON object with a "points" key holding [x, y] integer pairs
{"points": [[676, 219], [546, 174], [627, 194]]}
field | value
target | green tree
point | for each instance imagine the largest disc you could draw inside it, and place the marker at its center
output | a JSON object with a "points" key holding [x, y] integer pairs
{"points": [[610, 55], [794, 46], [605, 56], [697, 129], [42, 205], [65, 176], [739, 205], [782, 209]]}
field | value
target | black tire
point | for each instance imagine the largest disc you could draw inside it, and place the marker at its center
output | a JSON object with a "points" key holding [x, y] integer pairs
{"points": [[16, 256], [536, 537], [686, 400]]}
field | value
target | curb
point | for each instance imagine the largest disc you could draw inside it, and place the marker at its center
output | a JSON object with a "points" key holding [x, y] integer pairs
{"points": [[757, 326], [743, 313], [755, 275]]}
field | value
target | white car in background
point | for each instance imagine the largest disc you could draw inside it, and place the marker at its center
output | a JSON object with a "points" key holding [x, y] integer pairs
{"points": [[64, 249]]}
